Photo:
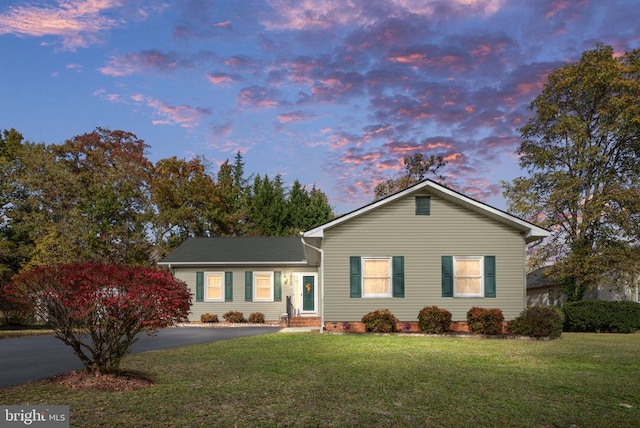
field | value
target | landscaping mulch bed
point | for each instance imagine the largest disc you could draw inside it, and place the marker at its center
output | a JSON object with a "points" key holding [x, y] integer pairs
{"points": [[123, 381]]}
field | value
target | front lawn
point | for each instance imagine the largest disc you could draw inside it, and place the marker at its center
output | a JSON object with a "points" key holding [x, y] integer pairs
{"points": [[580, 380]]}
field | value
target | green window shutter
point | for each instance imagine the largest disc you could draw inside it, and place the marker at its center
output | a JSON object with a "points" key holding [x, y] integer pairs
{"points": [[489, 276], [355, 284], [199, 286], [228, 286], [248, 286], [423, 205], [277, 286], [398, 276], [447, 276]]}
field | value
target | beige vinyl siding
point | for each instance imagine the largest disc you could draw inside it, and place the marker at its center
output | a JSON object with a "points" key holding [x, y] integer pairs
{"points": [[395, 230], [271, 310]]}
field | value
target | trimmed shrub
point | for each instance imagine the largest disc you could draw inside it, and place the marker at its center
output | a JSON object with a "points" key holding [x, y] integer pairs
{"points": [[485, 321], [380, 321], [256, 318], [434, 320], [601, 316], [234, 316], [209, 318], [538, 321]]}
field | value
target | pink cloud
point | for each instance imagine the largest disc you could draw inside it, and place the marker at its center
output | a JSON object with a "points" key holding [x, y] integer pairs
{"points": [[295, 116], [109, 97], [259, 96], [76, 67], [338, 86], [184, 116], [222, 78], [129, 64], [378, 131], [480, 189], [324, 14], [224, 129], [241, 61], [341, 138], [445, 60], [76, 22], [555, 7]]}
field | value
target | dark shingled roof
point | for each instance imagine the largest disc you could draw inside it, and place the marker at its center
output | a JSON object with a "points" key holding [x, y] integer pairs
{"points": [[238, 250], [538, 278]]}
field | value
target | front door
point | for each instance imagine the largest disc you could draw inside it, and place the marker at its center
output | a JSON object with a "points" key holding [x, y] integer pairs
{"points": [[308, 293]]}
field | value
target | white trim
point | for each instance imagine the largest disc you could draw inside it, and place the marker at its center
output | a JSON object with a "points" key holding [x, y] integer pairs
{"points": [[299, 290], [321, 285], [481, 276], [272, 286], [389, 292], [531, 231], [206, 286], [172, 264]]}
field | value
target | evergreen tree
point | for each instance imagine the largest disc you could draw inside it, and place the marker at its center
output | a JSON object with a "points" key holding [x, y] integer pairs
{"points": [[298, 208], [267, 208]]}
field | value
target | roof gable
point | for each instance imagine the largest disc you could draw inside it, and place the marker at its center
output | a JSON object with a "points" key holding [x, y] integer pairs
{"points": [[531, 231], [237, 251]]}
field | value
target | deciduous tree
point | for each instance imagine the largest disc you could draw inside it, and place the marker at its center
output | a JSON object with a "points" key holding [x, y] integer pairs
{"points": [[111, 174], [183, 197], [417, 167], [86, 199], [15, 243], [581, 149], [100, 309]]}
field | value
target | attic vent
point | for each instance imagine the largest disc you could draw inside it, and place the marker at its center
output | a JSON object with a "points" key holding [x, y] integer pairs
{"points": [[423, 205]]}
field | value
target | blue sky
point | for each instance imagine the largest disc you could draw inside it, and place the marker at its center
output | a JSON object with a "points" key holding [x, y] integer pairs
{"points": [[329, 92]]}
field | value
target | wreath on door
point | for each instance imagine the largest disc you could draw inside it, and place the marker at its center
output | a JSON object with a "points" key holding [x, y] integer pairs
{"points": [[308, 287]]}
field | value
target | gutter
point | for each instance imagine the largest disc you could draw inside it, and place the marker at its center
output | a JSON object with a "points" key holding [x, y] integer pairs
{"points": [[321, 251], [187, 264]]}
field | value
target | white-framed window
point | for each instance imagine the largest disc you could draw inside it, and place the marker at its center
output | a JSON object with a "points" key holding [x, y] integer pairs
{"points": [[214, 286], [376, 277], [468, 276], [263, 286]]}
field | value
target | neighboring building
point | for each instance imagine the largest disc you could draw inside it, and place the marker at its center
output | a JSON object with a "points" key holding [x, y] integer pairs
{"points": [[542, 291], [424, 246]]}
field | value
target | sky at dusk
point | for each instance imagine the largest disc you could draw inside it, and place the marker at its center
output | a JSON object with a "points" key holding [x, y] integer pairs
{"points": [[330, 92]]}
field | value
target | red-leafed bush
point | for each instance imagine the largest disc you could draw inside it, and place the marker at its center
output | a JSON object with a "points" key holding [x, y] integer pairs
{"points": [[434, 320], [485, 321], [209, 318], [234, 317], [380, 321], [99, 309], [256, 318]]}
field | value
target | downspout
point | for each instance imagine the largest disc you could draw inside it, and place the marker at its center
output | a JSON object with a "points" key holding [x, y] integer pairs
{"points": [[321, 280]]}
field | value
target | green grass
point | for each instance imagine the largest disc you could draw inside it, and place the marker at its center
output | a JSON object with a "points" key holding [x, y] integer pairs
{"points": [[6, 332], [304, 380]]}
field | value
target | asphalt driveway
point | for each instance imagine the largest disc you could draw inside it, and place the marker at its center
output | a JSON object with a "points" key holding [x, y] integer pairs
{"points": [[27, 359]]}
